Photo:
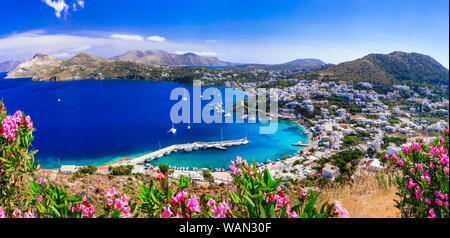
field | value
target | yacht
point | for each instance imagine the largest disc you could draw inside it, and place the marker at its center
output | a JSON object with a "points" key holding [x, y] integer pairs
{"points": [[172, 130], [227, 114]]}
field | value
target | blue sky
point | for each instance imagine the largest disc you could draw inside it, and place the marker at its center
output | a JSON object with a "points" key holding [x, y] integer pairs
{"points": [[238, 31]]}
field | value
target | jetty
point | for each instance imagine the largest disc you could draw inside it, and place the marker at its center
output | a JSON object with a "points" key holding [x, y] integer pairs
{"points": [[299, 144], [220, 145]]}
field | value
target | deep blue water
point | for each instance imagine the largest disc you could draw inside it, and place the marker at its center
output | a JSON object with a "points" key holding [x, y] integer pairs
{"points": [[99, 121]]}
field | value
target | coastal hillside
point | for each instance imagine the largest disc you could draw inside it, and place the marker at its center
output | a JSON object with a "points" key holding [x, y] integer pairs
{"points": [[396, 67], [8, 65], [37, 67], [160, 57], [43, 67], [295, 65]]}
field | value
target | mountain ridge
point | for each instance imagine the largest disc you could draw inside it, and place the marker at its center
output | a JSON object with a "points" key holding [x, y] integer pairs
{"points": [[163, 58], [395, 67], [294, 65]]}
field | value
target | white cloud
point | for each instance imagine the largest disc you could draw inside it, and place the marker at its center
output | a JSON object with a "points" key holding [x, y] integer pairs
{"points": [[156, 38], [201, 53], [127, 37], [58, 5], [211, 41], [80, 3]]}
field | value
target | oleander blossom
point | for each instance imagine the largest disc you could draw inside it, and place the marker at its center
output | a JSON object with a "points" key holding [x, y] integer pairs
{"points": [[85, 207], [342, 213], [11, 123], [2, 212], [424, 177]]}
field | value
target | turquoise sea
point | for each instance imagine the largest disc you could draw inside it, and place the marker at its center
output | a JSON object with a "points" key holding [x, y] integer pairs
{"points": [[95, 122]]}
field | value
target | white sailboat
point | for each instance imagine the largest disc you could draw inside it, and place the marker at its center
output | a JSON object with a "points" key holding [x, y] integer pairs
{"points": [[188, 127], [172, 130]]}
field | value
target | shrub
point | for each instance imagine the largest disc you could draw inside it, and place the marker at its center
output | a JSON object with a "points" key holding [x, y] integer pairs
{"points": [[424, 180], [16, 160], [208, 176], [90, 169], [163, 168], [121, 170]]}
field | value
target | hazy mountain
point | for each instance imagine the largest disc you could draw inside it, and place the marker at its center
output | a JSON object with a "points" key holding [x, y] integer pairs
{"points": [[44, 67], [396, 67], [9, 65], [295, 65], [160, 57], [39, 65], [307, 62]]}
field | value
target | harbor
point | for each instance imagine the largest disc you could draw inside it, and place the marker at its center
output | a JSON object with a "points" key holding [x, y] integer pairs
{"points": [[189, 147]]}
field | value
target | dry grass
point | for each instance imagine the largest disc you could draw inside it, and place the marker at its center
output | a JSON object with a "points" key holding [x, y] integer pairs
{"points": [[365, 197]]}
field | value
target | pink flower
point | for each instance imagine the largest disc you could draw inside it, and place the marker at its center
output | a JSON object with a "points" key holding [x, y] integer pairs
{"points": [[126, 212], [386, 156], [438, 202], [304, 192], [342, 213], [192, 204], [428, 202], [446, 170], [219, 210], [179, 197], [418, 193], [118, 204], [17, 213], [29, 122], [441, 139], [411, 184], [39, 198], [418, 166], [28, 214], [111, 192], [416, 147], [124, 198], [42, 181], [166, 212], [109, 202], [233, 188], [445, 204], [432, 215], [211, 202], [406, 150], [2, 212]]}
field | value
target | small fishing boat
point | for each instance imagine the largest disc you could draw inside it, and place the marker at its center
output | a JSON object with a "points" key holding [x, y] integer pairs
{"points": [[188, 149], [188, 127], [220, 147]]}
